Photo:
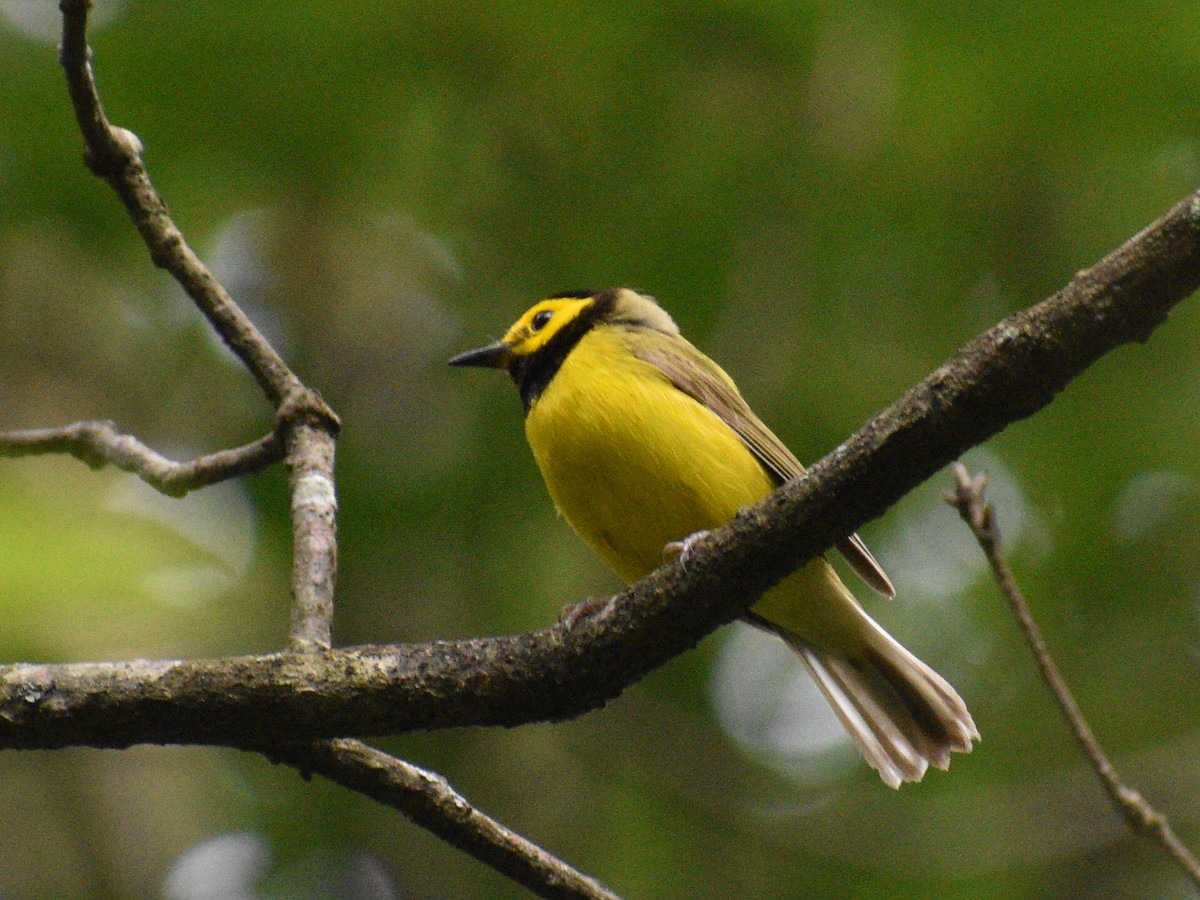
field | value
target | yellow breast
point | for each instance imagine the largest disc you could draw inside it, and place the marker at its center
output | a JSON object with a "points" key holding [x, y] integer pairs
{"points": [[630, 461]]}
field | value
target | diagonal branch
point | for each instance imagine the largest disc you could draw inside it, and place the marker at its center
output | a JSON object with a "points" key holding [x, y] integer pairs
{"points": [[1005, 374], [967, 498], [429, 800], [115, 155], [97, 443]]}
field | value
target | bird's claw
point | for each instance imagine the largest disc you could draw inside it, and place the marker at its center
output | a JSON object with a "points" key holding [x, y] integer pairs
{"points": [[681, 550], [573, 613]]}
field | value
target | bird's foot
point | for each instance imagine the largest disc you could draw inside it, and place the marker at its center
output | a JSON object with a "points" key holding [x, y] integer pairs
{"points": [[681, 550], [573, 613]]}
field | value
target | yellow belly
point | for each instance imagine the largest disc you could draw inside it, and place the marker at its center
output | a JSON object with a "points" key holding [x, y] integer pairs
{"points": [[633, 464]]}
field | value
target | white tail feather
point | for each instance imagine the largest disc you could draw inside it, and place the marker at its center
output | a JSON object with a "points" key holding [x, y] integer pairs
{"points": [[903, 716]]}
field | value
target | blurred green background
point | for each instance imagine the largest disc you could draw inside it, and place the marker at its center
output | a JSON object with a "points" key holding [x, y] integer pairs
{"points": [[830, 198]]}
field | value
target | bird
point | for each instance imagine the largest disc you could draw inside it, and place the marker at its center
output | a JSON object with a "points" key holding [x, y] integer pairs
{"points": [[644, 443]]}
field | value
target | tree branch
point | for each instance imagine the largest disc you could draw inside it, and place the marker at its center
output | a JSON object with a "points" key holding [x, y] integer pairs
{"points": [[310, 458], [1005, 374], [115, 155], [429, 800], [306, 430], [1143, 818], [97, 443]]}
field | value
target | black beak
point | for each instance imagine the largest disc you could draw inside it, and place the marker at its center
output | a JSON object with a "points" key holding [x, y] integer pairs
{"points": [[493, 356]]}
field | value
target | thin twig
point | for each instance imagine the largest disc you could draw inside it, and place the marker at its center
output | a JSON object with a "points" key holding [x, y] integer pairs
{"points": [[98, 443], [430, 801], [967, 498], [115, 155]]}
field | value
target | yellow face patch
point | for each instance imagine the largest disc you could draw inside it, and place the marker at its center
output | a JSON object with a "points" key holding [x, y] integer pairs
{"points": [[541, 322]]}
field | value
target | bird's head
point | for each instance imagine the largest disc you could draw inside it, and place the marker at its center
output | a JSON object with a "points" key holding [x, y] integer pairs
{"points": [[535, 346]]}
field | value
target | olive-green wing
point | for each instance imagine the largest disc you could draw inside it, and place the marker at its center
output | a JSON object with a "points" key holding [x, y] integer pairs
{"points": [[704, 381]]}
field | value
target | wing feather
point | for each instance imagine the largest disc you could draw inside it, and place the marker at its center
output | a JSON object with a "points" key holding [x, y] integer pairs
{"points": [[693, 373]]}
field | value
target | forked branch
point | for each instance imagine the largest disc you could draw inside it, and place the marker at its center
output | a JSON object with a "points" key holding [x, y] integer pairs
{"points": [[305, 437]]}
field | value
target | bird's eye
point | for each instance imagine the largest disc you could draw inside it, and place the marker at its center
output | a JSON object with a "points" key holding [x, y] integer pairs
{"points": [[538, 322]]}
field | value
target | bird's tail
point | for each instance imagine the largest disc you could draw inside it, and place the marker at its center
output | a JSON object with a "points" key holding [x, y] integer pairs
{"points": [[903, 715]]}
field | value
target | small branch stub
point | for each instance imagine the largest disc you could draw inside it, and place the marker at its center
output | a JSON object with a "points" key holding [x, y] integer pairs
{"points": [[310, 459]]}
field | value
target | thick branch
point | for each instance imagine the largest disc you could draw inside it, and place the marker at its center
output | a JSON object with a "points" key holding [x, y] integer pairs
{"points": [[967, 498], [97, 443], [1004, 375]]}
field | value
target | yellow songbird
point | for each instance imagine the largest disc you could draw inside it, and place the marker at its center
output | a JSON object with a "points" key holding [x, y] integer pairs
{"points": [[644, 441]]}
